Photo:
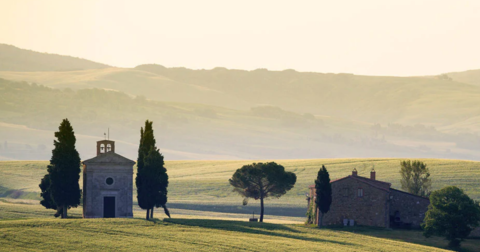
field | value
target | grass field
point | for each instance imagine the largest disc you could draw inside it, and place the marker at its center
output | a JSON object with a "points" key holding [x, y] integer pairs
{"points": [[206, 182], [208, 216], [32, 228], [203, 185]]}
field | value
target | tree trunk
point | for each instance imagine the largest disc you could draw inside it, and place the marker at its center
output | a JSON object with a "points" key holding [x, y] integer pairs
{"points": [[261, 209], [165, 209], [148, 214], [320, 220], [64, 214], [59, 212], [151, 213]]}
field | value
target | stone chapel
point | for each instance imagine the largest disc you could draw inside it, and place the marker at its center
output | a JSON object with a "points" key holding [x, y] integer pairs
{"points": [[107, 184]]}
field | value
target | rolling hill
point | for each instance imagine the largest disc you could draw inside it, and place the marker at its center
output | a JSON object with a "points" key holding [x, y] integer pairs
{"points": [[405, 100], [470, 77], [236, 114], [29, 114], [15, 59]]}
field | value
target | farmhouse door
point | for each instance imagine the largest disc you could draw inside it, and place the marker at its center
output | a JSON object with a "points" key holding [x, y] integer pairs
{"points": [[109, 207]]}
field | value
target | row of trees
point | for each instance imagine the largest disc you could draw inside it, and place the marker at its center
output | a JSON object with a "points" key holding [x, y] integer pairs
{"points": [[60, 189]]}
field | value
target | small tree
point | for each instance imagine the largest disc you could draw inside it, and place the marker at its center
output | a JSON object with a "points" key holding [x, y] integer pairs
{"points": [[323, 191], [415, 178], [60, 188], [451, 214], [262, 180]]}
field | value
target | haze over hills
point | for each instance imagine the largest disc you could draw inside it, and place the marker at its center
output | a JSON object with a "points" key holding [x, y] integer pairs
{"points": [[16, 59], [236, 114]]}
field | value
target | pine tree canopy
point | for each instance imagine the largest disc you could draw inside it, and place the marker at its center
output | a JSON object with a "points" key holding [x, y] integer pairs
{"points": [[262, 179]]}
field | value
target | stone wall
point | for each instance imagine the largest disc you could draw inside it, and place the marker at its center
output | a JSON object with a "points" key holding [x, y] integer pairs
{"points": [[411, 208], [369, 210], [97, 189]]}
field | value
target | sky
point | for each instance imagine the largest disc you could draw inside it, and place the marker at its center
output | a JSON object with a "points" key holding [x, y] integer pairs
{"points": [[368, 37]]}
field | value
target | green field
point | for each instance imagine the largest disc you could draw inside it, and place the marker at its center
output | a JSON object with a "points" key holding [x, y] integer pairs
{"points": [[31, 228], [203, 185], [207, 215]]}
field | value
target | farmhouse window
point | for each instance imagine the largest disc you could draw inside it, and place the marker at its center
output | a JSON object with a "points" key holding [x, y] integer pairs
{"points": [[360, 192]]}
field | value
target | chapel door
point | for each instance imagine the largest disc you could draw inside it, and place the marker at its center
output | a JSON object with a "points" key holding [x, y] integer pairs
{"points": [[109, 207]]}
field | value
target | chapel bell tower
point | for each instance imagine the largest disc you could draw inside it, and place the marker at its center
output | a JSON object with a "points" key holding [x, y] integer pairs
{"points": [[105, 146]]}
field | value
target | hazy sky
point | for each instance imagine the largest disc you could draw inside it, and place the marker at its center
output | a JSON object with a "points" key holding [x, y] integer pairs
{"points": [[370, 37]]}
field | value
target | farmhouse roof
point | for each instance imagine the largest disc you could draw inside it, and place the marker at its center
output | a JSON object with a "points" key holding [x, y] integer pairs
{"points": [[375, 183]]}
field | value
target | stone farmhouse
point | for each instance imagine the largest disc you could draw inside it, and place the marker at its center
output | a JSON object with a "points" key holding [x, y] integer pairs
{"points": [[107, 184], [366, 201]]}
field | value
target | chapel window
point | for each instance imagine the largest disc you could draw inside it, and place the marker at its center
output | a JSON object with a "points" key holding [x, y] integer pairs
{"points": [[360, 192], [102, 148]]}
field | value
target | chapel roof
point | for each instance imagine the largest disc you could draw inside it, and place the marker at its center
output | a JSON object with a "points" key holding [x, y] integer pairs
{"points": [[109, 157]]}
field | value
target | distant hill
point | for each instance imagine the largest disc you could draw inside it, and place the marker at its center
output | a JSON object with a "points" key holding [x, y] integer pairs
{"points": [[15, 59], [373, 99], [470, 77], [236, 114], [382, 99], [30, 113]]}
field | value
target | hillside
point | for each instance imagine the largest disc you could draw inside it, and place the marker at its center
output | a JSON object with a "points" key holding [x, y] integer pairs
{"points": [[15, 59], [470, 77], [405, 100], [201, 235], [29, 114], [203, 185], [387, 99]]}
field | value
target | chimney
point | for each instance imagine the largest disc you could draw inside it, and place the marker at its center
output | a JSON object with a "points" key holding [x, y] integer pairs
{"points": [[372, 174], [354, 172]]}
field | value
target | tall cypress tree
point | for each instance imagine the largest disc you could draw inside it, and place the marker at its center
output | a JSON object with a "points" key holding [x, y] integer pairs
{"points": [[152, 179], [60, 188], [155, 165], [323, 191]]}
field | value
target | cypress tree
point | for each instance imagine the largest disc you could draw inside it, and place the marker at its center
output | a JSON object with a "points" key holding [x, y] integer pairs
{"points": [[154, 164], [152, 179], [60, 188], [47, 201], [323, 191]]}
